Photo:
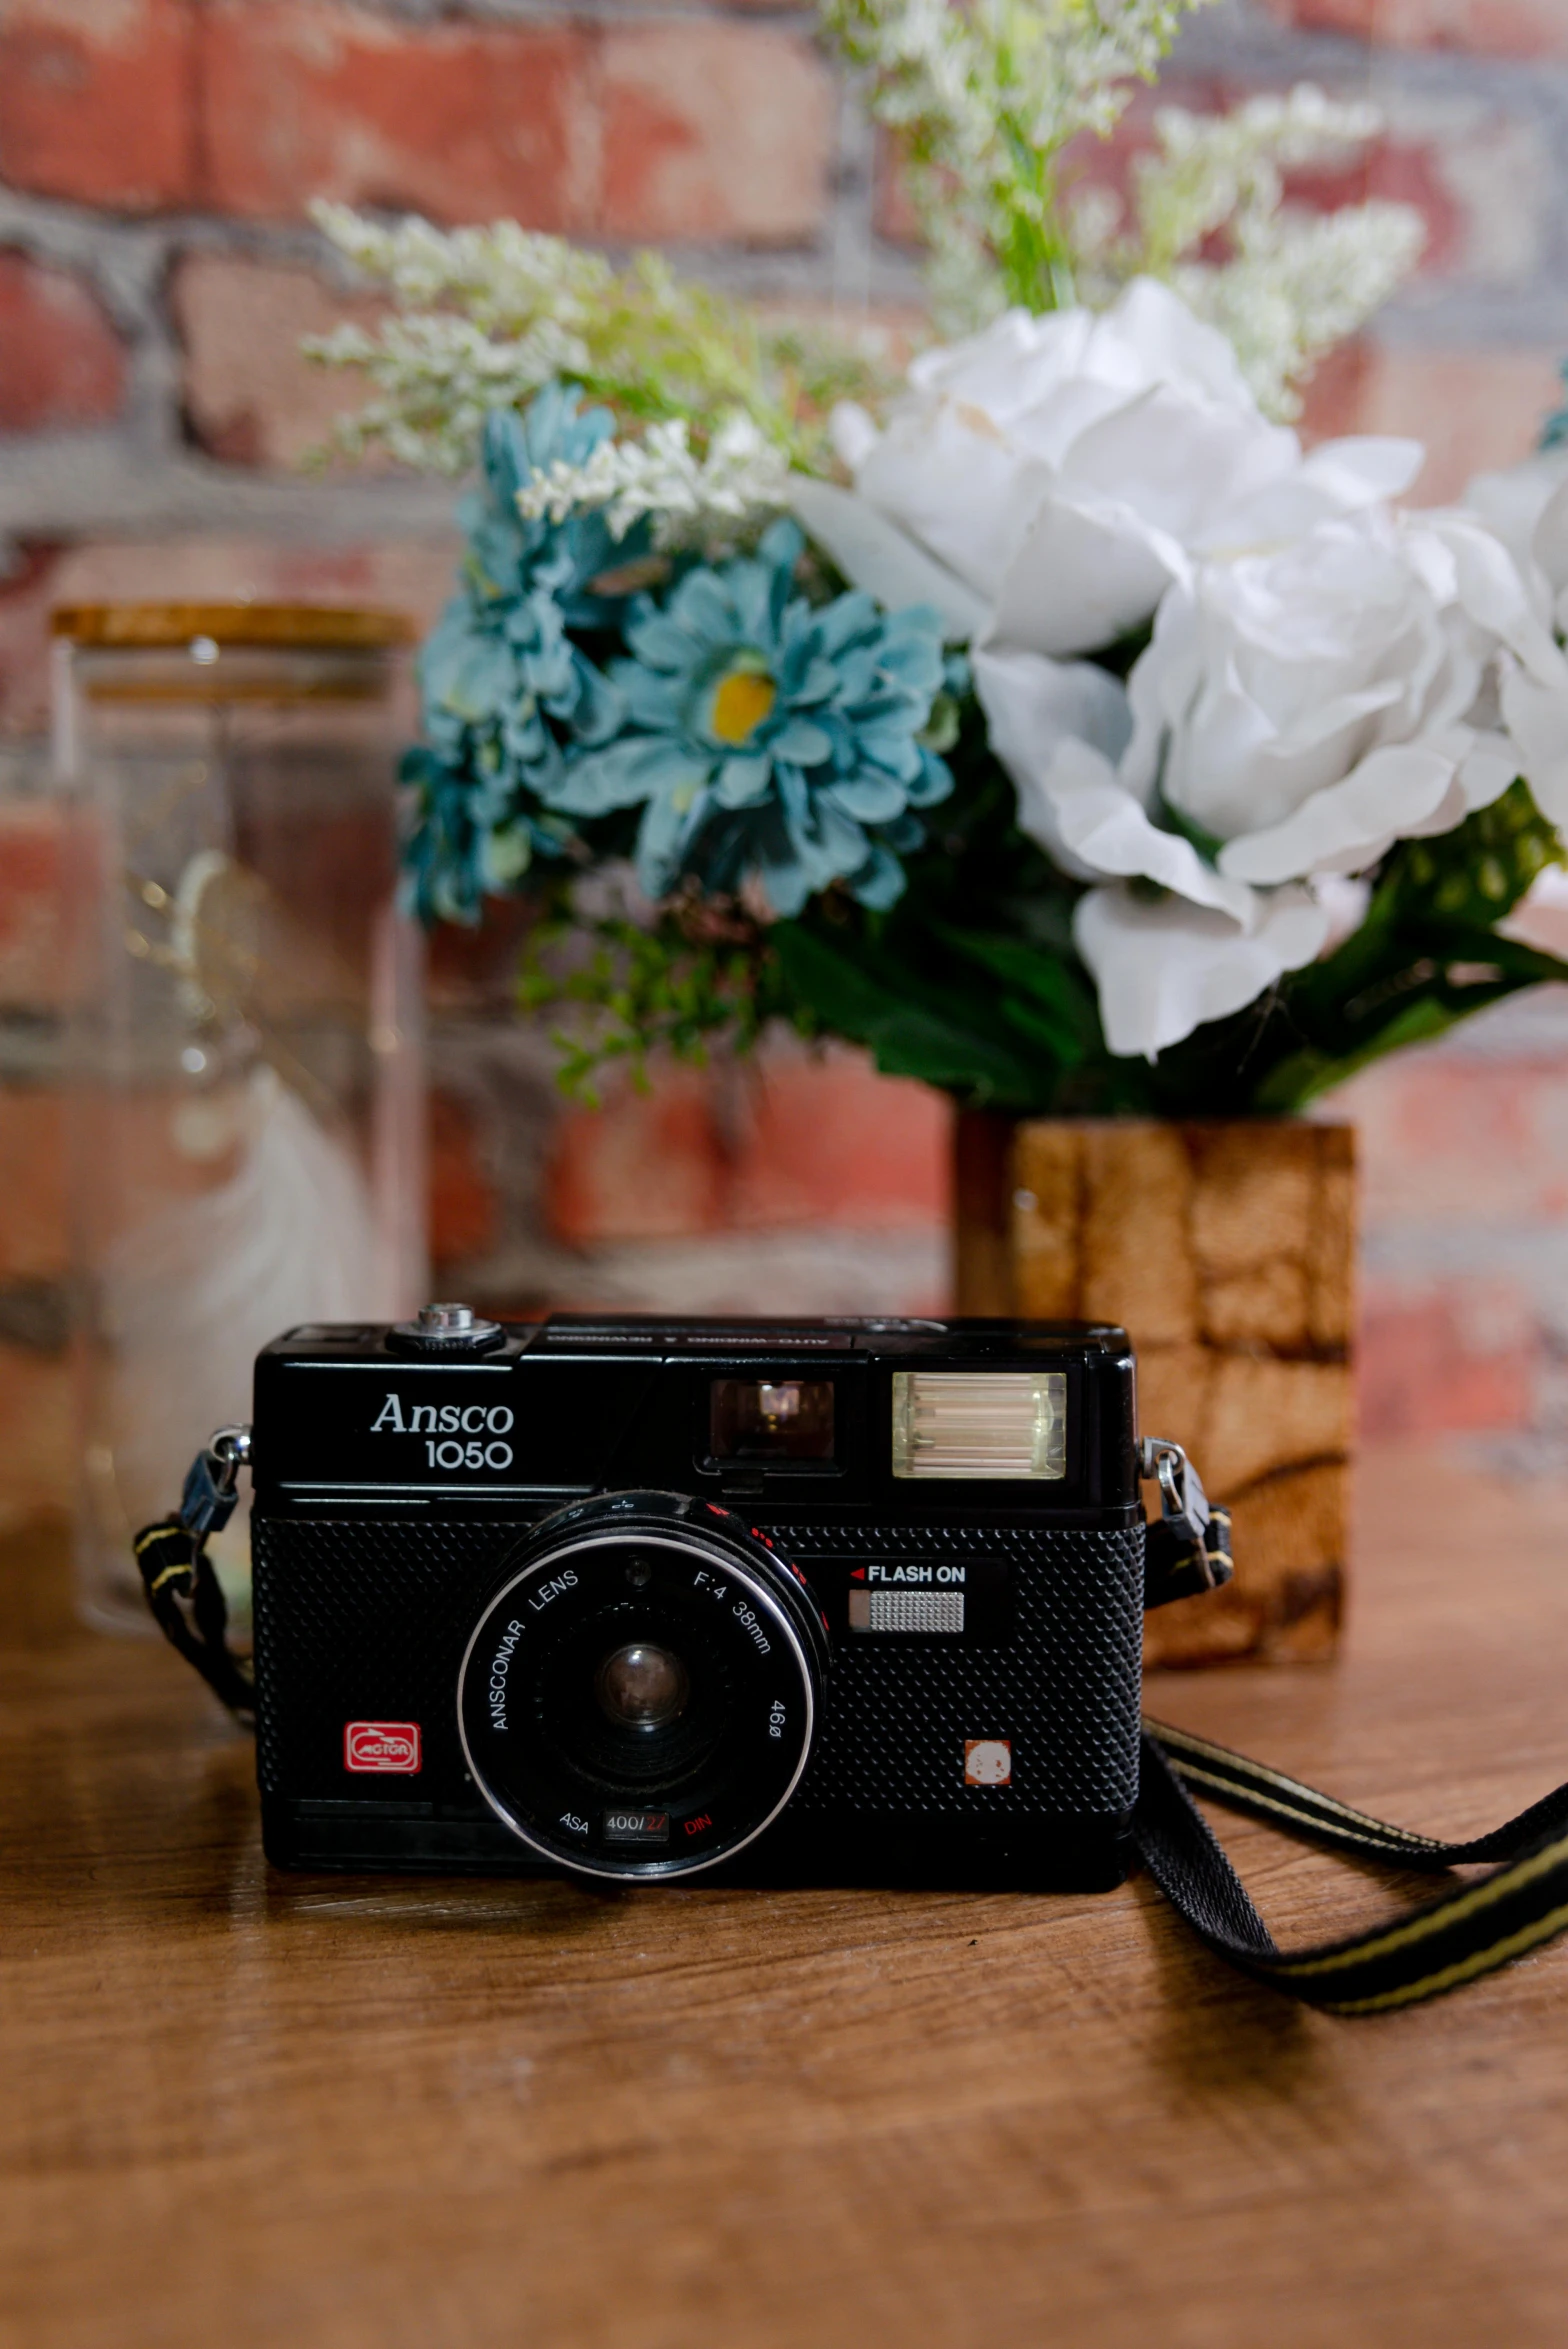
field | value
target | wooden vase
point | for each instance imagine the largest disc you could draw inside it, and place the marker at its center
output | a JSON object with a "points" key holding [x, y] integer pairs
{"points": [[1227, 1251]]}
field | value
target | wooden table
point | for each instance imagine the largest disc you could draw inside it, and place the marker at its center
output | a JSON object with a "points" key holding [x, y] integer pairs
{"points": [[355, 2113]]}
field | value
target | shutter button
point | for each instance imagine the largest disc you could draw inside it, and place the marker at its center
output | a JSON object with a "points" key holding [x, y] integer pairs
{"points": [[446, 1329]]}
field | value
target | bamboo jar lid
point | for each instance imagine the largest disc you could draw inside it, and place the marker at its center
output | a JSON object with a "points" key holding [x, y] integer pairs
{"points": [[171, 627]]}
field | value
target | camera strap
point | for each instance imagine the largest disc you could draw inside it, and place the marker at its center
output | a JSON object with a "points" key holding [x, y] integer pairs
{"points": [[1469, 1931], [182, 1589]]}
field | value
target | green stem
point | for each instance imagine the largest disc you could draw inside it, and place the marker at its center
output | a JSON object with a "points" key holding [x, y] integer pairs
{"points": [[1033, 254]]}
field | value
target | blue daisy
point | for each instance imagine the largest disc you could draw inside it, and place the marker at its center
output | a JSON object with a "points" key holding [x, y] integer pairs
{"points": [[767, 739], [507, 695], [471, 837]]}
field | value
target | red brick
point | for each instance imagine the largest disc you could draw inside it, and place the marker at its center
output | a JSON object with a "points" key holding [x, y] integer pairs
{"points": [[647, 1166], [33, 851], [1421, 1371], [1336, 392], [787, 1140], [831, 1142], [25, 599], [458, 121], [714, 130], [96, 101], [1450, 1140], [1511, 28], [251, 396], [60, 359], [33, 1242], [476, 970], [1404, 171], [464, 1209], [893, 211], [1475, 410]]}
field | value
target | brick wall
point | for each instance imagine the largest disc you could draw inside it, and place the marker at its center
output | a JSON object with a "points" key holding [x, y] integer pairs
{"points": [[156, 272]]}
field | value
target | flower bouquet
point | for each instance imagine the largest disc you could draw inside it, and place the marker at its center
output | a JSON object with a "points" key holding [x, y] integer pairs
{"points": [[1054, 725]]}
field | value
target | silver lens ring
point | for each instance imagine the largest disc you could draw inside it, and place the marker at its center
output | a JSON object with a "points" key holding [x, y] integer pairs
{"points": [[567, 1580]]}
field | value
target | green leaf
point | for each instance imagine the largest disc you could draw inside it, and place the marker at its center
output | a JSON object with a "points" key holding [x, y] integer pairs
{"points": [[1478, 872], [1434, 976], [1060, 1010], [645, 989], [883, 1009], [1305, 1075], [1019, 963]]}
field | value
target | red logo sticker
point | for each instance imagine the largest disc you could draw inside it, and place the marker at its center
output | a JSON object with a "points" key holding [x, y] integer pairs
{"points": [[381, 1745]]}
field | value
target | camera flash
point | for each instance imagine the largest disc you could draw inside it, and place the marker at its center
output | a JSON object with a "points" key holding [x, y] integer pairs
{"points": [[980, 1423]]}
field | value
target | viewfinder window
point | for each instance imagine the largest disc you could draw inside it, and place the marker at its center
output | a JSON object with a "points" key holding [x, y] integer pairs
{"points": [[980, 1423], [771, 1419]]}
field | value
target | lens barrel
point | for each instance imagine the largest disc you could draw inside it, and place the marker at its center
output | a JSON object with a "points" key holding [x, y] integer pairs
{"points": [[639, 1697]]}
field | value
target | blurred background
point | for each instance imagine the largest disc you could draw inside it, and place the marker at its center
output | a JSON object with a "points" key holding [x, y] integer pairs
{"points": [[156, 274]]}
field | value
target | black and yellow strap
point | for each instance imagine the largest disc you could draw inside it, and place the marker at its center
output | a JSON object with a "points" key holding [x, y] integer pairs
{"points": [[1182, 1565], [187, 1599], [1471, 1930]]}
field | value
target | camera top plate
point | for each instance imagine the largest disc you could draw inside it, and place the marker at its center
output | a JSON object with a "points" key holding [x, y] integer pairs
{"points": [[776, 1415]]}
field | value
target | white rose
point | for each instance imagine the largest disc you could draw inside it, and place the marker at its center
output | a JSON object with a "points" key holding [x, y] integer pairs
{"points": [[1046, 480], [1527, 507], [1513, 504], [1296, 712]]}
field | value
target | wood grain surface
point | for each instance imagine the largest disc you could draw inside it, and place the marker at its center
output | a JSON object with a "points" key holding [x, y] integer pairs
{"points": [[375, 2113]]}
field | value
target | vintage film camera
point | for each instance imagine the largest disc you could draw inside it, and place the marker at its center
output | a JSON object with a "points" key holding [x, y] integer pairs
{"points": [[830, 1601]]}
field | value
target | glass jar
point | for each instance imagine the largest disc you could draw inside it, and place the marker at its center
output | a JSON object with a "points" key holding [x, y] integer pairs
{"points": [[246, 1100]]}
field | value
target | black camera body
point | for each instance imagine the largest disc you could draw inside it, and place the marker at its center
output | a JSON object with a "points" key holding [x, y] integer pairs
{"points": [[823, 1602]]}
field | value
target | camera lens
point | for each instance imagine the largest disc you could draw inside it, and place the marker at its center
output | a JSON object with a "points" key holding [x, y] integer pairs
{"points": [[639, 1696], [640, 1686]]}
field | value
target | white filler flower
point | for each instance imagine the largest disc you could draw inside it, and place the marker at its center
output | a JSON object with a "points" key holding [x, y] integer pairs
{"points": [[1046, 481], [1296, 712], [715, 499]]}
